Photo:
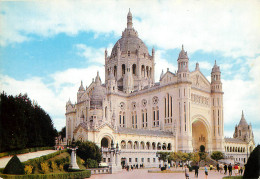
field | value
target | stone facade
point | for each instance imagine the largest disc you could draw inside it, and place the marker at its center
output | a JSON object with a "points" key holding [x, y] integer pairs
{"points": [[181, 112]]}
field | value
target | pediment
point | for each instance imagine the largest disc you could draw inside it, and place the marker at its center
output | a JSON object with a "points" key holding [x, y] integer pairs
{"points": [[168, 77], [199, 81], [81, 126], [105, 126]]}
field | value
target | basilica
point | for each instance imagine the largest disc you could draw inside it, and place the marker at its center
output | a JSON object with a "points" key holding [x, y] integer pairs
{"points": [[140, 116]]}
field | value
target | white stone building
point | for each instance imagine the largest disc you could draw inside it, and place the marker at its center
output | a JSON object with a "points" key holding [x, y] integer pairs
{"points": [[181, 112]]}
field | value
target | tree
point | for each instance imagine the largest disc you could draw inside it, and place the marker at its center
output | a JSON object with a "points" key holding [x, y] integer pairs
{"points": [[88, 150], [202, 155], [163, 156], [195, 157], [173, 156], [62, 133], [252, 167], [24, 124], [217, 155]]}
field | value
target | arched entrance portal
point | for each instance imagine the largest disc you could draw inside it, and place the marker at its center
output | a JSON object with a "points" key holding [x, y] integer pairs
{"points": [[199, 135], [105, 142]]}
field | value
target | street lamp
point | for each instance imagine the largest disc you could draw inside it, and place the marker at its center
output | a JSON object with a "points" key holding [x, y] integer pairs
{"points": [[73, 162]]}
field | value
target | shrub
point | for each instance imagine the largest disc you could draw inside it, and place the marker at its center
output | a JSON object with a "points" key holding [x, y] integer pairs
{"points": [[80, 174], [45, 167], [53, 166], [61, 167], [91, 163], [252, 166], [14, 166], [28, 169], [163, 168]]}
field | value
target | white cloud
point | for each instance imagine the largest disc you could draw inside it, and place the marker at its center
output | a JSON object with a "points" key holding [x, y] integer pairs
{"points": [[243, 95], [52, 97], [93, 55], [162, 64], [201, 25]]}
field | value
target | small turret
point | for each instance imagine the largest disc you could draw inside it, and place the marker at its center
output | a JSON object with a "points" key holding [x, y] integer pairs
{"points": [[106, 54], [81, 88], [80, 92], [111, 83], [183, 66], [98, 80], [197, 67], [161, 75], [216, 84]]}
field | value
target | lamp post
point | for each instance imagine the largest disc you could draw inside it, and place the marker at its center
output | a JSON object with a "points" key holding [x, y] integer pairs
{"points": [[73, 162], [114, 162]]}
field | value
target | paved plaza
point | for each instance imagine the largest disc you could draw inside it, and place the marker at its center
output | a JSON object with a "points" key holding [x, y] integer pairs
{"points": [[25, 157], [143, 174]]}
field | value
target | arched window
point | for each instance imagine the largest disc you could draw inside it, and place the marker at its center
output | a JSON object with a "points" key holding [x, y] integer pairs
{"points": [[115, 71], [153, 145], [129, 145], [142, 145], [143, 71], [159, 146], [123, 144], [164, 146], [169, 146], [148, 145], [134, 69], [123, 69], [136, 145]]}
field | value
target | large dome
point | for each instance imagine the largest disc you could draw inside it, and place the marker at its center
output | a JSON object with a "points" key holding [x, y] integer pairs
{"points": [[130, 43]]}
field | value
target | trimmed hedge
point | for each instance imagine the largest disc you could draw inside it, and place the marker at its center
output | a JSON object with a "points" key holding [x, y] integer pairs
{"points": [[38, 160], [23, 151], [81, 174]]}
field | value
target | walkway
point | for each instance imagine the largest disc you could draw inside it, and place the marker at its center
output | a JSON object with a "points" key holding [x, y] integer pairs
{"points": [[143, 174], [25, 157]]}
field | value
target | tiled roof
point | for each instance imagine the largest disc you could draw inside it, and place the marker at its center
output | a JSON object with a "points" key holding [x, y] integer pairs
{"points": [[234, 140], [144, 132]]}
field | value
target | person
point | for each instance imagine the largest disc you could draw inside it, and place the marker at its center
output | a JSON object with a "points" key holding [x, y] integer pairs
{"points": [[169, 166], [132, 168], [221, 167], [241, 170], [230, 169], [236, 169], [225, 169], [210, 167], [218, 167], [196, 168], [186, 170], [206, 171]]}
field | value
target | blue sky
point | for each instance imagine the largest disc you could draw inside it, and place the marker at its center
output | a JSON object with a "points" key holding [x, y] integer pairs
{"points": [[48, 47]]}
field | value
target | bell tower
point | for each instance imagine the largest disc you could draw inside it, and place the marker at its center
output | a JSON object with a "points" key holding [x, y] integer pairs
{"points": [[184, 100], [217, 109]]}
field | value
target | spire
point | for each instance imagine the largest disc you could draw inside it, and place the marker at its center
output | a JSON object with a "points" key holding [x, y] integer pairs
{"points": [[129, 20], [98, 80], [183, 54], [215, 67], [81, 88], [161, 75], [242, 120], [197, 67]]}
